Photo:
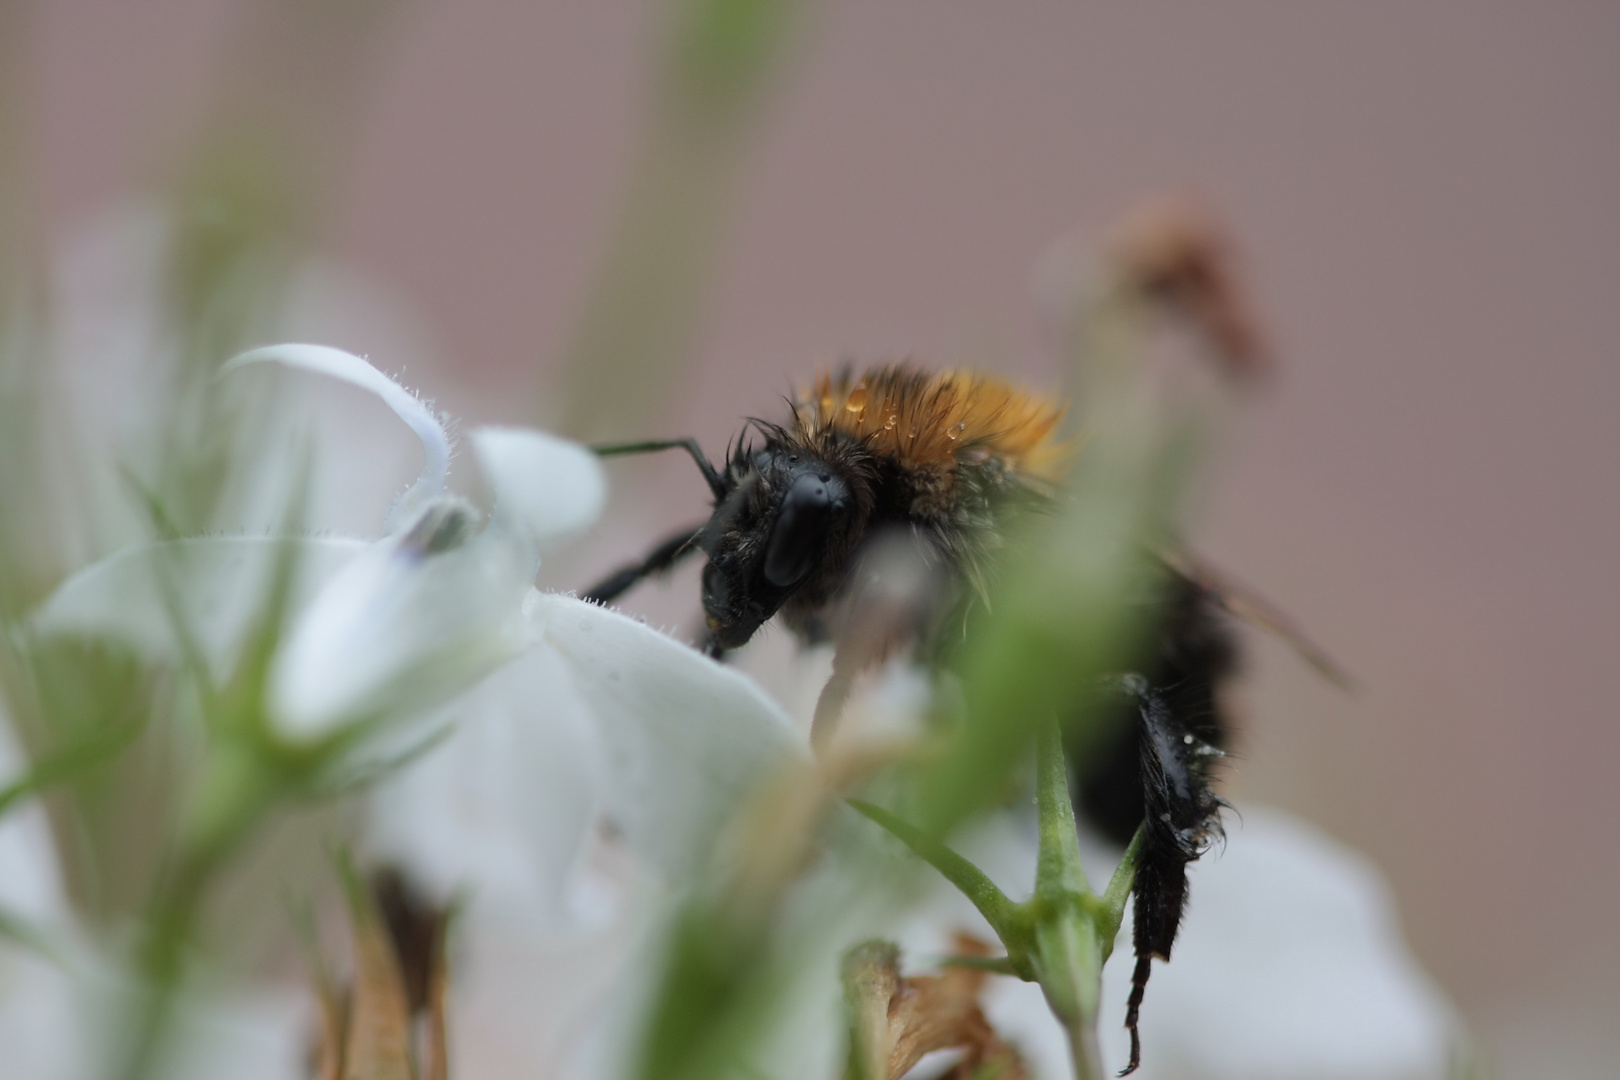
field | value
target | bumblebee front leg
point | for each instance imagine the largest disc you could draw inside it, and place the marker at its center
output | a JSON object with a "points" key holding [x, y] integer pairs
{"points": [[661, 558], [711, 475]]}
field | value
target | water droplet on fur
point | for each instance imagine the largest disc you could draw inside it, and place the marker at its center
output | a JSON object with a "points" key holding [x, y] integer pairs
{"points": [[888, 425], [856, 401], [956, 431]]}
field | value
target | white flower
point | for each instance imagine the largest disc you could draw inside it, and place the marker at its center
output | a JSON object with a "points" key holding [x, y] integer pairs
{"points": [[565, 710], [54, 982], [1290, 965]]}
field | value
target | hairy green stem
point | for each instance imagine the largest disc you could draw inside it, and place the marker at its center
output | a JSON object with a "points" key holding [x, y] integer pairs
{"points": [[1000, 912], [1119, 887], [1070, 967], [1058, 871], [1069, 944], [1063, 934], [234, 798]]}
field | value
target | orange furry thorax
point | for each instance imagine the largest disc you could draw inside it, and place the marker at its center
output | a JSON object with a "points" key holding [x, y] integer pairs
{"points": [[933, 420]]}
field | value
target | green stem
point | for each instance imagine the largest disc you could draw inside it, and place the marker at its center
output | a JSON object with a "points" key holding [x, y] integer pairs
{"points": [[998, 965], [1084, 1050], [233, 798], [1119, 888], [1070, 945], [72, 762], [1058, 871], [1062, 935], [1001, 913], [162, 964], [1070, 968], [641, 321]]}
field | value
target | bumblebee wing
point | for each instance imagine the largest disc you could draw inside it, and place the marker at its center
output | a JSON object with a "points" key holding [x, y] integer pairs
{"points": [[1249, 606]]}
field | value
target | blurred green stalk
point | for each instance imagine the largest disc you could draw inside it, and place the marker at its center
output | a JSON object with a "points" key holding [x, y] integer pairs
{"points": [[1063, 934], [1068, 612], [158, 780], [640, 323]]}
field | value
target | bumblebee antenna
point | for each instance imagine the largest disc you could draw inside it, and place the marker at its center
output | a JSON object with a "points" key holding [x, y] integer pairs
{"points": [[716, 485]]}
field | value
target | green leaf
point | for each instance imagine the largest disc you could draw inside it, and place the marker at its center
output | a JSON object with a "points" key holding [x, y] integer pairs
{"points": [[1119, 889], [73, 761]]}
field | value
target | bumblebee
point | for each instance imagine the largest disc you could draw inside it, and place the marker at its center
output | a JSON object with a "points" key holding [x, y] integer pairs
{"points": [[942, 457], [945, 461]]}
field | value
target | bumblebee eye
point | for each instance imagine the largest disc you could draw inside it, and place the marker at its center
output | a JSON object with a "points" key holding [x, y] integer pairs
{"points": [[801, 529]]}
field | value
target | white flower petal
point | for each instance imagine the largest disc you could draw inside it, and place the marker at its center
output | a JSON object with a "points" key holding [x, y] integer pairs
{"points": [[500, 812], [346, 367], [245, 1034], [218, 585], [684, 738], [30, 882], [403, 627], [1289, 966], [544, 486], [42, 1022]]}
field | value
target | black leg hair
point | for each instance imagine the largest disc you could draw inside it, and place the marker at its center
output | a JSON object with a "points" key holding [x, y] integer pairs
{"points": [[1181, 817], [1195, 654], [1153, 770], [716, 484], [661, 558], [1133, 1009]]}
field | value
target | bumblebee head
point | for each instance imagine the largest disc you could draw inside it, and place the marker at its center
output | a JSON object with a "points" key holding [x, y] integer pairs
{"points": [[784, 517]]}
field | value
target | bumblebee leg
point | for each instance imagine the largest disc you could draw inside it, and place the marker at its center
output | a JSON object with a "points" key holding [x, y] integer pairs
{"points": [[1133, 1008], [661, 558], [711, 475], [1148, 899], [1152, 769], [1180, 816]]}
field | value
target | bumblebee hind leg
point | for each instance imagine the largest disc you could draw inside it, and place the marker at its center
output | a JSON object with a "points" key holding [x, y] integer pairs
{"points": [[1181, 815], [1152, 769]]}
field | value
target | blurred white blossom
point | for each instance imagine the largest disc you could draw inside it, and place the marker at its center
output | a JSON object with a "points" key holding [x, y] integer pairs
{"points": [[56, 984], [563, 711], [559, 717], [1290, 964]]}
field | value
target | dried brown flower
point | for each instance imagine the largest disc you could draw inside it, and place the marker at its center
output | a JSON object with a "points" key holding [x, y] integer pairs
{"points": [[389, 1023], [895, 1020], [1171, 250]]}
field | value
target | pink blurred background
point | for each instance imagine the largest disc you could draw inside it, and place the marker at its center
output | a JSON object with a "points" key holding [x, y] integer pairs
{"points": [[1424, 196]]}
